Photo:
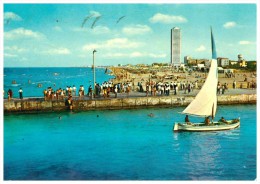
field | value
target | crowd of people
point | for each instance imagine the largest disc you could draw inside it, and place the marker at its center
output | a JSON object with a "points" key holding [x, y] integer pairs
{"points": [[221, 88], [105, 89], [165, 88], [100, 90]]}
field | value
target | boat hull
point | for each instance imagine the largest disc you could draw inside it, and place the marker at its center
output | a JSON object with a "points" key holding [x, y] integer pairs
{"points": [[201, 127]]}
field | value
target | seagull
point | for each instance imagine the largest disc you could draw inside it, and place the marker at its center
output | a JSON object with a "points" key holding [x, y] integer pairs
{"points": [[120, 19], [93, 24], [86, 19]]}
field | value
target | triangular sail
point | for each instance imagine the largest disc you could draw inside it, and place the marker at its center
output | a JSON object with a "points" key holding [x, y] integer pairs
{"points": [[205, 103]]}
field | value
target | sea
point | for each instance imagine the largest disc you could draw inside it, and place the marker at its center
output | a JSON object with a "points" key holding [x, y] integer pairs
{"points": [[33, 81], [121, 144]]}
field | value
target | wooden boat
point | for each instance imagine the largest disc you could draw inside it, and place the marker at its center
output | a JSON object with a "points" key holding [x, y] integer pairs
{"points": [[201, 127], [205, 103]]}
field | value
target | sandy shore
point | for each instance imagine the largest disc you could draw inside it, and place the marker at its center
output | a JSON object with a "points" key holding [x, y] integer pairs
{"points": [[124, 74]]}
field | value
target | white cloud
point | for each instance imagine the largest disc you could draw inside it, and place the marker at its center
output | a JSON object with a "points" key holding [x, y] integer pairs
{"points": [[15, 49], [12, 16], [95, 13], [57, 51], [229, 25], [136, 29], [245, 42], [157, 55], [121, 43], [22, 33], [116, 43], [167, 19], [100, 30], [7, 55], [134, 55], [201, 48]]}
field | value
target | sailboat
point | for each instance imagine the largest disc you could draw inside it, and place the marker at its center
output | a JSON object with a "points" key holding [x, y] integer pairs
{"points": [[205, 103]]}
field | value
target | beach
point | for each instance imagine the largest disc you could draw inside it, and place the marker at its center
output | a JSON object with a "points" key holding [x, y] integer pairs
{"points": [[137, 88], [145, 74], [134, 77]]}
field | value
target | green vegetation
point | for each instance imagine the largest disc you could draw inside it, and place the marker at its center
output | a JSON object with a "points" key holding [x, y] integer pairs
{"points": [[251, 65]]}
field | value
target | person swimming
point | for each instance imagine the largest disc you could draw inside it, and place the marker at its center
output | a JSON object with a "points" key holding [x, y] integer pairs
{"points": [[151, 115]]}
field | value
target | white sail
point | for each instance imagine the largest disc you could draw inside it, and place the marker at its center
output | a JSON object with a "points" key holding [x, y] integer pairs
{"points": [[205, 103]]}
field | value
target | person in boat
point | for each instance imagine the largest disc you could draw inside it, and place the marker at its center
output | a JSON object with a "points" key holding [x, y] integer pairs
{"points": [[222, 119], [207, 120], [187, 119]]}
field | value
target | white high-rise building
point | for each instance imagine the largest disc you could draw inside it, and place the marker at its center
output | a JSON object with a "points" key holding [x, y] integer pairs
{"points": [[176, 46]]}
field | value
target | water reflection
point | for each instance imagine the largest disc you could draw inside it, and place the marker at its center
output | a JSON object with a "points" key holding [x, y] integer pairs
{"points": [[202, 152]]}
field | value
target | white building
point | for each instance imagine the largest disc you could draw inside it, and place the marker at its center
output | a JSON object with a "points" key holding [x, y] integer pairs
{"points": [[223, 61], [200, 66], [176, 46], [186, 59]]}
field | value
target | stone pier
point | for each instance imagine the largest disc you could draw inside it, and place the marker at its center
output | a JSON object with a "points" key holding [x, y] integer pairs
{"points": [[39, 105]]}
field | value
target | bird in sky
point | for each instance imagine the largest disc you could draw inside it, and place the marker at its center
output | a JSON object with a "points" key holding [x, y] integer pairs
{"points": [[93, 24], [86, 19], [120, 19]]}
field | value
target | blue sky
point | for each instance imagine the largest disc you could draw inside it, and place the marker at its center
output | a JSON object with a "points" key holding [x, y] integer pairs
{"points": [[52, 34]]}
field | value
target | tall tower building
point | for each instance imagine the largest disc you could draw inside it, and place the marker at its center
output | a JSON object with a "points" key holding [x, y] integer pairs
{"points": [[176, 46]]}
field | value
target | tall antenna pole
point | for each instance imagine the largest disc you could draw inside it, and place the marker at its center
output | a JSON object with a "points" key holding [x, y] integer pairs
{"points": [[213, 47]]}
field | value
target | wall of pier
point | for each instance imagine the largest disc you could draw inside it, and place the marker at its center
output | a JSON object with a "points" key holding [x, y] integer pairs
{"points": [[39, 105]]}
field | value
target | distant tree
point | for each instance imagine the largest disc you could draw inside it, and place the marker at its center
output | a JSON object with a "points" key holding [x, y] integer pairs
{"points": [[251, 65], [189, 65], [236, 66]]}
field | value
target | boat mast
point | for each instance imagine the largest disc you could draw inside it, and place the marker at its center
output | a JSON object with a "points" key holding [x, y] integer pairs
{"points": [[213, 47], [205, 102]]}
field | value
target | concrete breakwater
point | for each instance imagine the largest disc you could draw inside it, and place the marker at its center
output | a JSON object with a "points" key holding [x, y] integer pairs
{"points": [[31, 106]]}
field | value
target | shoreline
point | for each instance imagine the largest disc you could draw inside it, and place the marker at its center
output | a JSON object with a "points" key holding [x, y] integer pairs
{"points": [[244, 93]]}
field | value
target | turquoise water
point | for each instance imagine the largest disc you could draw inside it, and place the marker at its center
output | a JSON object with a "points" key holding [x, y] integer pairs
{"points": [[127, 145], [60, 77]]}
